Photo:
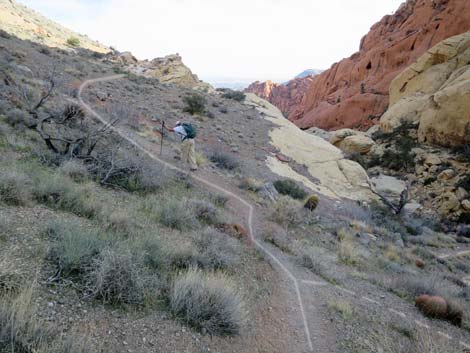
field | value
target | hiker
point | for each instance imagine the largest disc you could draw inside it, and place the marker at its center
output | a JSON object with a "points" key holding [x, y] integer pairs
{"points": [[186, 132]]}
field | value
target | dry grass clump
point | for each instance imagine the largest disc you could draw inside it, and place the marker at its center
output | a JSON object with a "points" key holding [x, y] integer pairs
{"points": [[317, 266], [116, 278], [207, 302], [286, 212], [391, 253], [412, 286], [15, 188], [348, 252], [342, 307]]}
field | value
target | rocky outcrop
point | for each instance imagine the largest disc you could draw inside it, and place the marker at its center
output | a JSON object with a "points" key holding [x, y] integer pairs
{"points": [[287, 97], [354, 92], [327, 171], [169, 69], [27, 24], [434, 93]]}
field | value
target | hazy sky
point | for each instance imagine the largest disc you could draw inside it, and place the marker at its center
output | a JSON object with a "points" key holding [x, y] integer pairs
{"points": [[226, 39]]}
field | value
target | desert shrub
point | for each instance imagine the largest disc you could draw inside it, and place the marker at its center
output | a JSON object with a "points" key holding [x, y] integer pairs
{"points": [[60, 192], [75, 170], [151, 178], [462, 152], [207, 302], [75, 247], [73, 42], [219, 199], [401, 156], [204, 211], [174, 213], [411, 287], [218, 250], [224, 160], [181, 257], [312, 203], [342, 307], [250, 184], [121, 222], [286, 212], [116, 278], [223, 110], [45, 51], [150, 249], [290, 187], [238, 96], [15, 187], [194, 104]]}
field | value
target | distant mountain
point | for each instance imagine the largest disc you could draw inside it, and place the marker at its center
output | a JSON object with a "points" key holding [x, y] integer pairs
{"points": [[309, 72]]}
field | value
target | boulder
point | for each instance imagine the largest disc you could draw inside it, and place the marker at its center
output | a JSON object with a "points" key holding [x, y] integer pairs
{"points": [[446, 174], [389, 187], [466, 205], [432, 159], [268, 192], [434, 93], [339, 135], [411, 208], [357, 144], [448, 203]]}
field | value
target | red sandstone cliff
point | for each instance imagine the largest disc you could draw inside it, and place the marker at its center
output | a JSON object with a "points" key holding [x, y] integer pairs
{"points": [[354, 92], [287, 97]]}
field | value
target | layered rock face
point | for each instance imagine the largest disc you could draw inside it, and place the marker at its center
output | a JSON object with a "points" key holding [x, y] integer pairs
{"points": [[287, 97], [434, 93], [354, 92]]}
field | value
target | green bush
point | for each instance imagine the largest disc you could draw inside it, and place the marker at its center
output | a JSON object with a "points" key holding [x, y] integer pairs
{"points": [[207, 302], [15, 188], [235, 95], [194, 104], [73, 42], [290, 188], [217, 250]]}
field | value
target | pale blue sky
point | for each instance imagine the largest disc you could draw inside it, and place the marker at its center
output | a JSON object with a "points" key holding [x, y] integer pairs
{"points": [[226, 39]]}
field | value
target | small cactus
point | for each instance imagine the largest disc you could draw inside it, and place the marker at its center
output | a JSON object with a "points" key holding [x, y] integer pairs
{"points": [[312, 203]]}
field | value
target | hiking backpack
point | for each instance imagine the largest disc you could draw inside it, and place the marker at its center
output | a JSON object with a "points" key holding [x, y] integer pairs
{"points": [[190, 131]]}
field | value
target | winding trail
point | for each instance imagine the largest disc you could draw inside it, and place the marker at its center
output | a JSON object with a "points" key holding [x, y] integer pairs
{"points": [[209, 184], [282, 263]]}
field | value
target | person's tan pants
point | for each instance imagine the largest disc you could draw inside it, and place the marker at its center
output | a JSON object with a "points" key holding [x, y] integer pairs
{"points": [[188, 153]]}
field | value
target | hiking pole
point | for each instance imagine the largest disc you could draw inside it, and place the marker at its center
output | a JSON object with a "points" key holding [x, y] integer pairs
{"points": [[161, 141]]}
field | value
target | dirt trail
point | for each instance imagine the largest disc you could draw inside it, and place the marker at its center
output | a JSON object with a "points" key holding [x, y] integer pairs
{"points": [[216, 186]]}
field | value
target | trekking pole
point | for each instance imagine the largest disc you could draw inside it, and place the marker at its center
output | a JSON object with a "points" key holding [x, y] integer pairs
{"points": [[161, 141]]}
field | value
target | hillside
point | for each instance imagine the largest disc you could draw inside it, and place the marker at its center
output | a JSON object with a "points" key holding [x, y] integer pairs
{"points": [[27, 24], [283, 240]]}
